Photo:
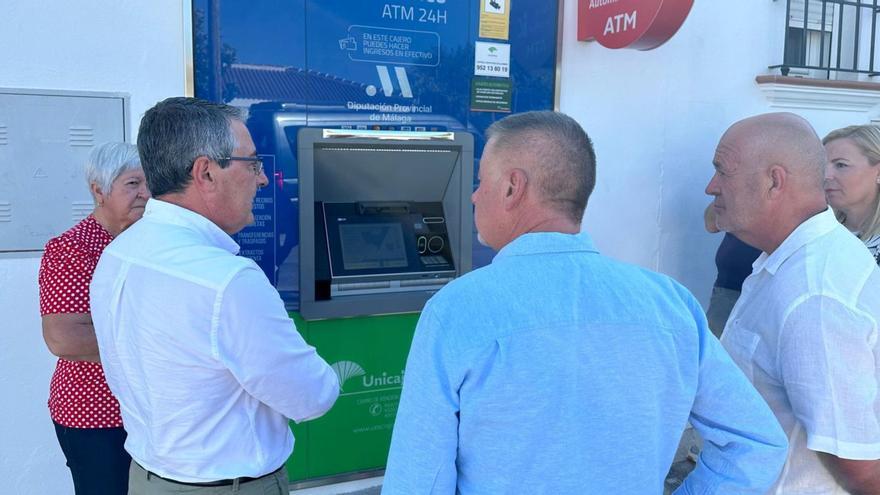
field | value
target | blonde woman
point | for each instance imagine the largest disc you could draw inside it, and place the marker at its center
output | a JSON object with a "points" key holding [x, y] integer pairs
{"points": [[852, 181]]}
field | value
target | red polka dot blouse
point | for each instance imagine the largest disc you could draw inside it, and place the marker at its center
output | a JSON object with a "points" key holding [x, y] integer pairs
{"points": [[78, 394]]}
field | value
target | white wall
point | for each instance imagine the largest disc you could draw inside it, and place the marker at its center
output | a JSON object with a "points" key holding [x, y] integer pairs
{"points": [[125, 46], [655, 118]]}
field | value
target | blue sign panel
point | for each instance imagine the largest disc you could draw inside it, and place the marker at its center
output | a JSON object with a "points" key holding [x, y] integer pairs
{"points": [[365, 64], [398, 55]]}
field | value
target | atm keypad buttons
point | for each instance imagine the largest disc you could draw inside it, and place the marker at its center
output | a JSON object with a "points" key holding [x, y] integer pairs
{"points": [[433, 260]]}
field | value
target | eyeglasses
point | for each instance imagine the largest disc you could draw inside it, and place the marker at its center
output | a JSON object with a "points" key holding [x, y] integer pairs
{"points": [[256, 162]]}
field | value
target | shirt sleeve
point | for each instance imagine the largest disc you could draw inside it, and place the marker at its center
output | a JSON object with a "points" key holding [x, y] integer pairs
{"points": [[259, 344], [744, 447], [828, 364], [65, 273], [425, 438]]}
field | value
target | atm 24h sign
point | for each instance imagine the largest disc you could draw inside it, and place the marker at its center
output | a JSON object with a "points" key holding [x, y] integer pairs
{"points": [[639, 24]]}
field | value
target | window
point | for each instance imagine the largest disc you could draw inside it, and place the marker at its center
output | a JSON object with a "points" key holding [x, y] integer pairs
{"points": [[830, 39]]}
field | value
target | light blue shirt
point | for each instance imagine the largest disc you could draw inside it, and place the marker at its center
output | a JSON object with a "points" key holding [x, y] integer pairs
{"points": [[557, 370]]}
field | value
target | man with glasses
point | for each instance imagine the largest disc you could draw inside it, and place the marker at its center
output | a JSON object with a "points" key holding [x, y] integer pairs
{"points": [[195, 341]]}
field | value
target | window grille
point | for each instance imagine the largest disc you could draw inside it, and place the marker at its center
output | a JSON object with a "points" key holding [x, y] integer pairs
{"points": [[828, 38]]}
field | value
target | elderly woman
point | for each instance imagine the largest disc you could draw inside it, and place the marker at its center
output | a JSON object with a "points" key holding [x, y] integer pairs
{"points": [[85, 413], [852, 181]]}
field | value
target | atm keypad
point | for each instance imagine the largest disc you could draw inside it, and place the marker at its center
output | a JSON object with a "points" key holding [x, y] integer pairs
{"points": [[434, 260]]}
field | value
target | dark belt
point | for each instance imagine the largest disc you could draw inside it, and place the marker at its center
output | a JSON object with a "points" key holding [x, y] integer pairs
{"points": [[227, 482]]}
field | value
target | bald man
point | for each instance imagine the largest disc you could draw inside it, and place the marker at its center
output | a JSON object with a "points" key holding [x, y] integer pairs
{"points": [[556, 370], [804, 330]]}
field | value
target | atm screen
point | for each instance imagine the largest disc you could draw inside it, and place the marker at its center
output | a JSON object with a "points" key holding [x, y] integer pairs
{"points": [[368, 246], [388, 240]]}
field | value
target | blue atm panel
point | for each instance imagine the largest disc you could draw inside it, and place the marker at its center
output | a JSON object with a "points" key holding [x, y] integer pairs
{"points": [[409, 65]]}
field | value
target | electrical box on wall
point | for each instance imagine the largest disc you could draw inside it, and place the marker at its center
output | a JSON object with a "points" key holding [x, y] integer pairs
{"points": [[45, 139]]}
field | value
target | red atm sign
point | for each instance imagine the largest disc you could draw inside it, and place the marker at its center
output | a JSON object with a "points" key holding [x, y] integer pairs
{"points": [[639, 24]]}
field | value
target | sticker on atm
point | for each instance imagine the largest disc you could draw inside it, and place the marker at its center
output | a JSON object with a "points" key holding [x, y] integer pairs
{"points": [[495, 19], [491, 95], [491, 59]]}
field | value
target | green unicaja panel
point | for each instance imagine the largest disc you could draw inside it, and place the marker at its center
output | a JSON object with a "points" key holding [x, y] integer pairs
{"points": [[369, 354]]}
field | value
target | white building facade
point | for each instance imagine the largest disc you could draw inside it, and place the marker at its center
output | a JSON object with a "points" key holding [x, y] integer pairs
{"points": [[654, 116]]}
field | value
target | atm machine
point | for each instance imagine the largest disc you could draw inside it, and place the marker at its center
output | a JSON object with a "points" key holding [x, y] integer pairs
{"points": [[357, 229], [385, 221]]}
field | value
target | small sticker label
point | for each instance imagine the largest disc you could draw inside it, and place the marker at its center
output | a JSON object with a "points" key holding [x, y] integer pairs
{"points": [[492, 59]]}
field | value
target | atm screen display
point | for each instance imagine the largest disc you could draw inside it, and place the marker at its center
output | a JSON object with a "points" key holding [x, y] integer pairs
{"points": [[367, 246], [370, 241]]}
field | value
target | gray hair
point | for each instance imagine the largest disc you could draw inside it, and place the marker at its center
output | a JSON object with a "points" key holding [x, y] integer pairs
{"points": [[108, 161], [178, 130], [563, 156]]}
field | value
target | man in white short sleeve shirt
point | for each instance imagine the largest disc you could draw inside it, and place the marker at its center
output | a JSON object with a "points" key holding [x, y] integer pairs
{"points": [[804, 330]]}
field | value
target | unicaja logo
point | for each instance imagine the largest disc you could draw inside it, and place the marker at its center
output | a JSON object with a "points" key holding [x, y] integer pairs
{"points": [[346, 370], [384, 380]]}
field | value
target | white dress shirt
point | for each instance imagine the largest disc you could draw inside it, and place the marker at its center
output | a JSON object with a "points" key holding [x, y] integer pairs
{"points": [[804, 331], [198, 348]]}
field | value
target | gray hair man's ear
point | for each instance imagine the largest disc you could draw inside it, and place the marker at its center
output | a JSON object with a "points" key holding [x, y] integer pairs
{"points": [[518, 181], [202, 173]]}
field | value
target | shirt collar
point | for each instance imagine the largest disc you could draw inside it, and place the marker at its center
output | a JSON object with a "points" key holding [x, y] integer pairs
{"points": [[165, 212], [547, 242], [811, 229]]}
